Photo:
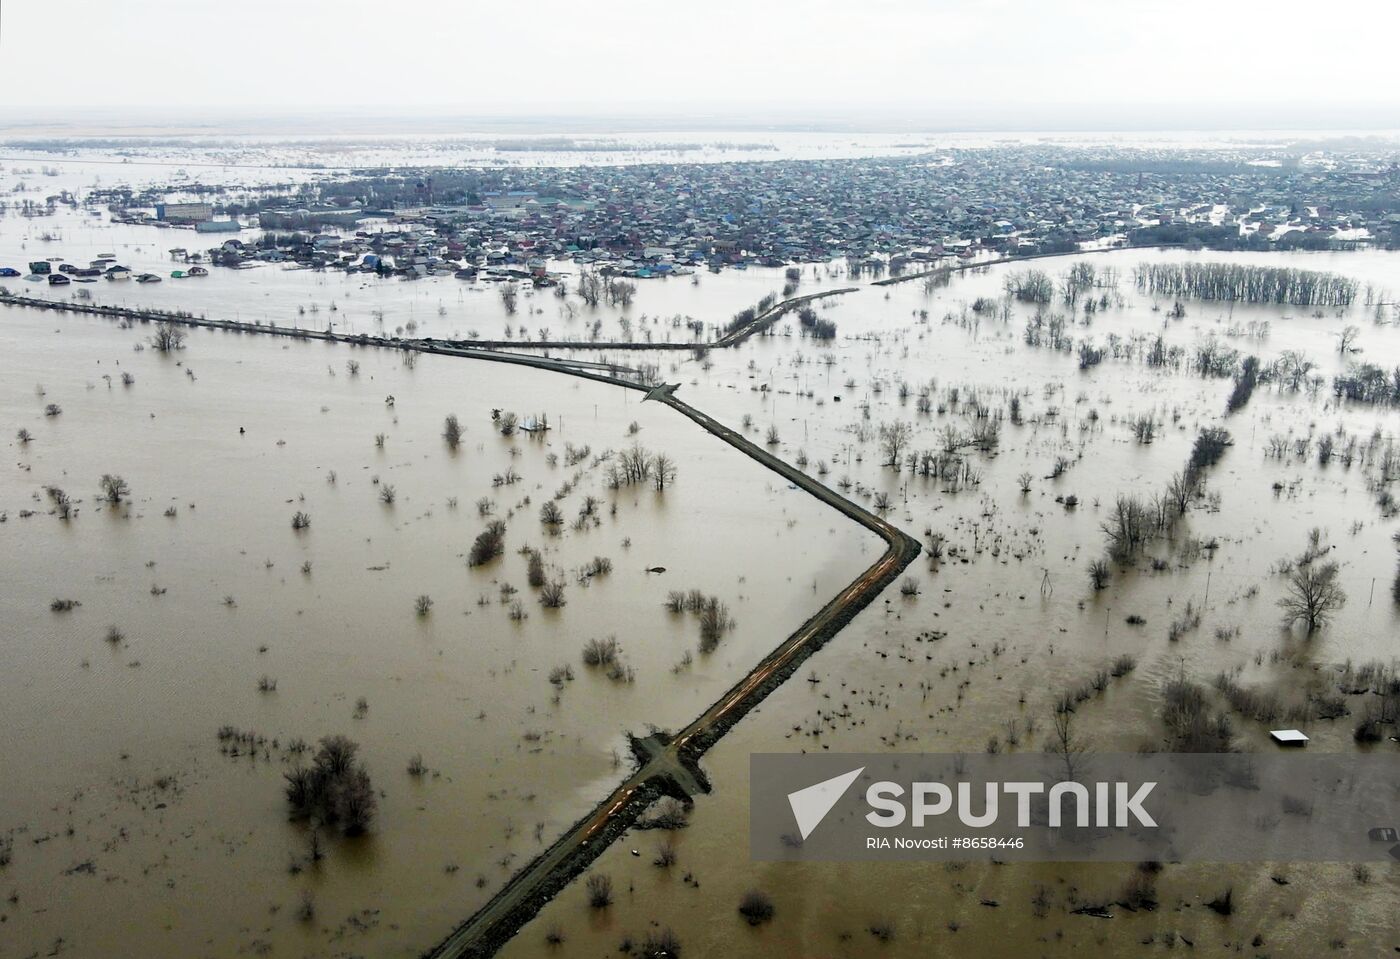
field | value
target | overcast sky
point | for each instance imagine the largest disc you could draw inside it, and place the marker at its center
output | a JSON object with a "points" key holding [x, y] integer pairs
{"points": [[958, 61]]}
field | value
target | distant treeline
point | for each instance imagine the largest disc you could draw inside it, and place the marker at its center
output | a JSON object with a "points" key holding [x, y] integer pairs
{"points": [[1183, 167], [570, 145], [1246, 284], [1213, 237]]}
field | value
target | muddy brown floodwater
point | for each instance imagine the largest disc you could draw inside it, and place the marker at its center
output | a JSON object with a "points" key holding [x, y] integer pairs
{"points": [[134, 829], [1007, 620]]}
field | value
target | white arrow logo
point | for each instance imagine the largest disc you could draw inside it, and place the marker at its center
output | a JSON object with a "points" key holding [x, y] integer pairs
{"points": [[811, 805]]}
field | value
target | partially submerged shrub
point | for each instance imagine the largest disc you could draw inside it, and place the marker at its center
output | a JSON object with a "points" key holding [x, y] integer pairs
{"points": [[535, 564], [1099, 574], [599, 886], [600, 652], [452, 431], [661, 944], [489, 544], [756, 907], [552, 594], [715, 621]]}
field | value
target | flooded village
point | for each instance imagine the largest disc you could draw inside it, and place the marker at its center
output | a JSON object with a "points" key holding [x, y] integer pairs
{"points": [[414, 534]]}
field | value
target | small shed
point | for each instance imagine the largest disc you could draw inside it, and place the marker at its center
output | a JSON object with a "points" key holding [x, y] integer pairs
{"points": [[1288, 737]]}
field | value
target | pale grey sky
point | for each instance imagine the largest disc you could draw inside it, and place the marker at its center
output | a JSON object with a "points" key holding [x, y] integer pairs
{"points": [[936, 58]]}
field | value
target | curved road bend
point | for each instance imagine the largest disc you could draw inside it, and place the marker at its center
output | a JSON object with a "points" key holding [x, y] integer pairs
{"points": [[533, 886]]}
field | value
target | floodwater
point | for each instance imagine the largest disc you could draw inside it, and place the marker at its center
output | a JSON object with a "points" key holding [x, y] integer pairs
{"points": [[190, 851], [94, 727], [1020, 623]]}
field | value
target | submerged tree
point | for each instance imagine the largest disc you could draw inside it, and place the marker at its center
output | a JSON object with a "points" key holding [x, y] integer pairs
{"points": [[894, 439], [1313, 595], [663, 471], [114, 488]]}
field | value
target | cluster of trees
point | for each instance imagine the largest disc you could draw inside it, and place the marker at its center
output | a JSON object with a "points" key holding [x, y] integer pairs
{"points": [[637, 465], [593, 287], [1245, 381], [815, 327], [335, 789], [1236, 282], [1031, 286], [1048, 329], [1368, 383], [168, 338]]}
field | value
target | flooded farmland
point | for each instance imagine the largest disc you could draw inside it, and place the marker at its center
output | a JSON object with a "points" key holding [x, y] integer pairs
{"points": [[134, 802], [212, 644]]}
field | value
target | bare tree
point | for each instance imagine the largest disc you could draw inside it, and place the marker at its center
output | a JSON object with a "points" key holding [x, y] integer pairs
{"points": [[1098, 574], [1294, 367], [894, 438], [1313, 595], [1066, 742], [355, 802], [508, 298], [1347, 337], [114, 488], [663, 471]]}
